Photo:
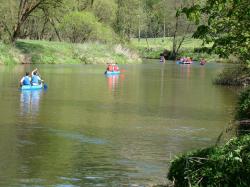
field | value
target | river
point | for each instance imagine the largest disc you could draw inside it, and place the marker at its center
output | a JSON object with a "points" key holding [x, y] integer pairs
{"points": [[90, 130]]}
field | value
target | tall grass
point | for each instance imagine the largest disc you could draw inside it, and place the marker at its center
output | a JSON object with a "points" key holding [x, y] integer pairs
{"points": [[46, 52], [9, 54]]}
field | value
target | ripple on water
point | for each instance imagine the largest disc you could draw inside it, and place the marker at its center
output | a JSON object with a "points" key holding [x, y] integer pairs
{"points": [[77, 137]]}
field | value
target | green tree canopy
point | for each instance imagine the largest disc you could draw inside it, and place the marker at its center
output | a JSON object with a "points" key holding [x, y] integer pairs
{"points": [[82, 26], [227, 26]]}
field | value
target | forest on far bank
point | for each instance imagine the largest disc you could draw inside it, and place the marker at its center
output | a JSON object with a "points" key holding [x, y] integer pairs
{"points": [[78, 21]]}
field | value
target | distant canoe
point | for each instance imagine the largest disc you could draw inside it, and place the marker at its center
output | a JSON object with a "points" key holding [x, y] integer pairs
{"points": [[112, 72], [32, 87], [180, 62]]}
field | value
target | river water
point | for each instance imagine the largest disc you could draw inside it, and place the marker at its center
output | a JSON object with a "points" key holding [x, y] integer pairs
{"points": [[90, 130]]}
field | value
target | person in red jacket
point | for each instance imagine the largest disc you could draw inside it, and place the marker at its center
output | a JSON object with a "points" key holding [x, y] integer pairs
{"points": [[116, 68], [110, 67]]}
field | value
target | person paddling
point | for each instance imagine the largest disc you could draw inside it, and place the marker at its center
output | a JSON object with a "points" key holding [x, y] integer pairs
{"points": [[110, 67], [115, 67], [35, 78], [203, 61]]}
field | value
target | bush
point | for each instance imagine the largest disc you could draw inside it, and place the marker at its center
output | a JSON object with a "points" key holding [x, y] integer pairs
{"points": [[79, 27], [243, 109], [203, 50], [236, 75], [228, 165]]}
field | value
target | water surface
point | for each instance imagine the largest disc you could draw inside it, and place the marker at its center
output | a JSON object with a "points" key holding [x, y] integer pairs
{"points": [[90, 130]]}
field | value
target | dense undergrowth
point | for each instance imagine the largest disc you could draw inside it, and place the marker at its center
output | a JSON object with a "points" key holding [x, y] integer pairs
{"points": [[234, 75], [243, 109], [225, 165]]}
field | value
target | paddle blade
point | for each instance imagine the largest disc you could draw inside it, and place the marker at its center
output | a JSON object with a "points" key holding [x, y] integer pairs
{"points": [[45, 86]]}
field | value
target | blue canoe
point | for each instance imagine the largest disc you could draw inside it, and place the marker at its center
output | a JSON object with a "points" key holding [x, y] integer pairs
{"points": [[30, 87], [180, 62], [112, 72]]}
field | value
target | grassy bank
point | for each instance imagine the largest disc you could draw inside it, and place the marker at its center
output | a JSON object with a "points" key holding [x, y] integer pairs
{"points": [[46, 52], [9, 55], [152, 47]]}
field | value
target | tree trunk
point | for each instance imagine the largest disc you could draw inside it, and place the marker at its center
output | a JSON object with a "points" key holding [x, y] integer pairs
{"points": [[16, 33], [164, 28], [24, 11], [173, 55], [56, 31]]}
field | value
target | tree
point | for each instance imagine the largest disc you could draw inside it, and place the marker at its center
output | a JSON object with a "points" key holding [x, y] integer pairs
{"points": [[181, 28], [16, 13], [227, 26], [126, 23], [105, 10], [83, 26]]}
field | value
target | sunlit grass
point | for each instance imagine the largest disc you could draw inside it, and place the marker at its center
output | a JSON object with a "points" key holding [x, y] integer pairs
{"points": [[9, 54], [46, 52], [166, 43]]}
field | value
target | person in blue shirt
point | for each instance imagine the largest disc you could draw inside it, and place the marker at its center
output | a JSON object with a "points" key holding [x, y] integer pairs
{"points": [[35, 78], [26, 80]]}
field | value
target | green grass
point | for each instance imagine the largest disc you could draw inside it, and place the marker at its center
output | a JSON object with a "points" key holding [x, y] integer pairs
{"points": [[46, 52], [9, 54], [155, 46], [189, 43]]}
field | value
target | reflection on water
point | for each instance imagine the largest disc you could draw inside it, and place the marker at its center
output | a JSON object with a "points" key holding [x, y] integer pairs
{"points": [[29, 102], [185, 70], [115, 83], [92, 130], [112, 82]]}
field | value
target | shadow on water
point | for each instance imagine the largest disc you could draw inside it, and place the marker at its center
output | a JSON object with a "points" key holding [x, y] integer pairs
{"points": [[75, 136]]}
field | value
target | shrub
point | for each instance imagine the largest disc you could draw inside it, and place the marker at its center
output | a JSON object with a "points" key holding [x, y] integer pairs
{"points": [[79, 27], [236, 75], [228, 165], [243, 109]]}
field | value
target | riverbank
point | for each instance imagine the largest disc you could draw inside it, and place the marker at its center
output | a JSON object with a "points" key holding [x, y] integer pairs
{"points": [[47, 52], [152, 47]]}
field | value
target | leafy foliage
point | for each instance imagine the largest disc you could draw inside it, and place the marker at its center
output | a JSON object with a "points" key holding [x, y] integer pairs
{"points": [[228, 165], [236, 75], [105, 10], [243, 111], [227, 26], [82, 26]]}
